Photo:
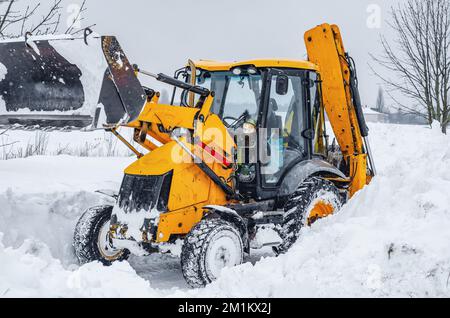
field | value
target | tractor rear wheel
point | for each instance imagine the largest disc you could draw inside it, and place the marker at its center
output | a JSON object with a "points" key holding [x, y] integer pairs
{"points": [[91, 238], [314, 199], [213, 244]]}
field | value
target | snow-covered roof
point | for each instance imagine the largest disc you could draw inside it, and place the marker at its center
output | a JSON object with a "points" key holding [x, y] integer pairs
{"points": [[370, 111]]}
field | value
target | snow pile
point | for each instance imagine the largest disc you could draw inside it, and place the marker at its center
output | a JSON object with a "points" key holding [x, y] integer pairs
{"points": [[41, 198], [41, 201], [31, 271], [391, 240]]}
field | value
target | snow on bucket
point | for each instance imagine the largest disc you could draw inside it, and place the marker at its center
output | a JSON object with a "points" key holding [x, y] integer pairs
{"points": [[62, 81]]}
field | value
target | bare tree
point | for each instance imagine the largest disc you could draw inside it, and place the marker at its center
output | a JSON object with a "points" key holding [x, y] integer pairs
{"points": [[36, 19], [420, 60]]}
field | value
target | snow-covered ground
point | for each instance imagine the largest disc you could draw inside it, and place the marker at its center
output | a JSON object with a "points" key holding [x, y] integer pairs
{"points": [[392, 239], [98, 143]]}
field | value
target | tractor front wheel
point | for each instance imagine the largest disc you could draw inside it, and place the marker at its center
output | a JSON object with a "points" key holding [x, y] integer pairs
{"points": [[91, 238], [213, 244]]}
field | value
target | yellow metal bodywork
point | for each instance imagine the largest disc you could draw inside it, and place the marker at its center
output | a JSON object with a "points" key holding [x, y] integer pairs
{"points": [[215, 66], [186, 202], [325, 47], [321, 210], [191, 189]]}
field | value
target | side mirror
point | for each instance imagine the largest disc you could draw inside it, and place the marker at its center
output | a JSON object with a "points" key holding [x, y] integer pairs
{"points": [[308, 134], [282, 85], [202, 77]]}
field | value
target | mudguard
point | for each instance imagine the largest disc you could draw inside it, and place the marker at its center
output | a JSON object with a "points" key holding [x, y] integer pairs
{"points": [[234, 218], [304, 170], [52, 81]]}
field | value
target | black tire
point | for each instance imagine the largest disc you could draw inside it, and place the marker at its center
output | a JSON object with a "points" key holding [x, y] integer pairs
{"points": [[299, 206], [86, 237], [194, 255]]}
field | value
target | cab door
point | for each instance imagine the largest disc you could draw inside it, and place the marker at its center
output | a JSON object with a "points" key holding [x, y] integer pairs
{"points": [[286, 120]]}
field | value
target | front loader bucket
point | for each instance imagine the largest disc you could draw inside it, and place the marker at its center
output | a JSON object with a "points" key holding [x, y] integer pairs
{"points": [[67, 81], [129, 89]]}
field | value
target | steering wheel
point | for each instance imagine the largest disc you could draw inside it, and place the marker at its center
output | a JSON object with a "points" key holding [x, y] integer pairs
{"points": [[234, 119], [237, 121]]}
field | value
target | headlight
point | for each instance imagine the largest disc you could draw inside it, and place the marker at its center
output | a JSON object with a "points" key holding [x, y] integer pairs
{"points": [[252, 70], [249, 128], [237, 71]]}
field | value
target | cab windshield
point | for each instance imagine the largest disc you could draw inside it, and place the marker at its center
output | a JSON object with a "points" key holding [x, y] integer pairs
{"points": [[234, 94]]}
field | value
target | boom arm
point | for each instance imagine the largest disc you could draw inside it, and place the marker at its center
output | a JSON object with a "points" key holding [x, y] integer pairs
{"points": [[341, 101], [162, 121]]}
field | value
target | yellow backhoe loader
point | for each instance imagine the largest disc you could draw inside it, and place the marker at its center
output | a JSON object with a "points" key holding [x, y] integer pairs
{"points": [[242, 161]]}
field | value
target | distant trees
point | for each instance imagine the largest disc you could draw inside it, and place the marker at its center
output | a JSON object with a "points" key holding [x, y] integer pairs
{"points": [[37, 19], [419, 61], [380, 105]]}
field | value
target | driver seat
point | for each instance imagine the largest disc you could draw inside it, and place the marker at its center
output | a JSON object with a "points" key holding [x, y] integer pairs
{"points": [[274, 122]]}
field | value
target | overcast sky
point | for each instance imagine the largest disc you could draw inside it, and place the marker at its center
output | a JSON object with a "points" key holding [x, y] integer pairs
{"points": [[160, 35]]}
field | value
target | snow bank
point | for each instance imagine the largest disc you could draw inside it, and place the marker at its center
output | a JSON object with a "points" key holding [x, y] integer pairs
{"points": [[31, 271], [41, 202], [41, 198], [391, 240]]}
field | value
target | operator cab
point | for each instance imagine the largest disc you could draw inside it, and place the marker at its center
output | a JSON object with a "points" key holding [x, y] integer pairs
{"points": [[274, 104]]}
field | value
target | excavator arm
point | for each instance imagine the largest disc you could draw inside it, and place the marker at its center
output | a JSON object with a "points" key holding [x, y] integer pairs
{"points": [[342, 102]]}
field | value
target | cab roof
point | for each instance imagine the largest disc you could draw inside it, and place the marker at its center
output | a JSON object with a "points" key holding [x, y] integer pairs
{"points": [[212, 66]]}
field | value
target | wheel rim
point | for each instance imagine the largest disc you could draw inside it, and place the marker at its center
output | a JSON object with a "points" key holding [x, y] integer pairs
{"points": [[105, 248], [225, 250], [321, 209]]}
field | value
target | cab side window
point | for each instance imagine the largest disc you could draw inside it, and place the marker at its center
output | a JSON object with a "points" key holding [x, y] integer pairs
{"points": [[284, 126], [317, 116]]}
